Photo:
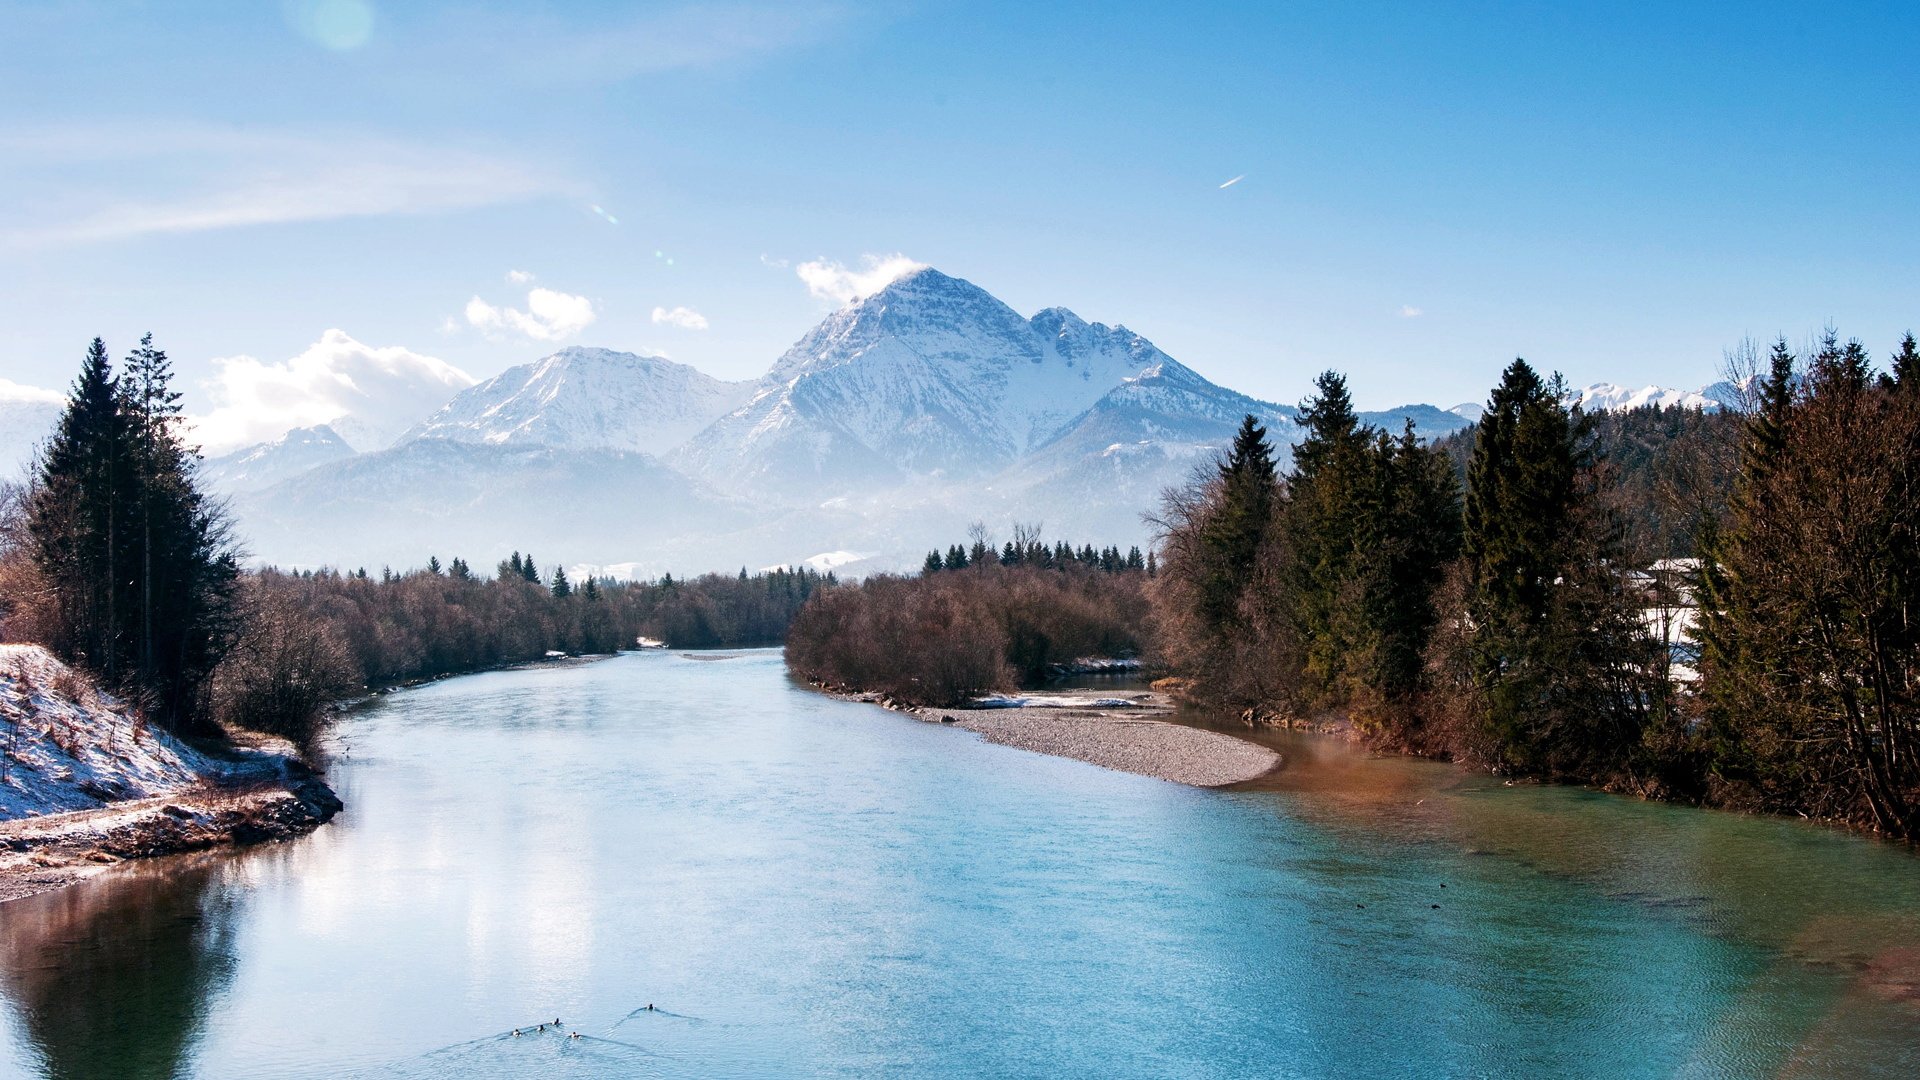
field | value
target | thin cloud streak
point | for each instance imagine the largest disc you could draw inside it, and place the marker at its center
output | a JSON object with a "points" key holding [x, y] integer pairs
{"points": [[225, 179]]}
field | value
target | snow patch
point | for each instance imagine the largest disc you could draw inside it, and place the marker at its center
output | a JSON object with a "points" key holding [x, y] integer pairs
{"points": [[65, 745]]}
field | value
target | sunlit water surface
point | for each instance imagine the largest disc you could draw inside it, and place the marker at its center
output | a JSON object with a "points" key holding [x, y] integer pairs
{"points": [[807, 887]]}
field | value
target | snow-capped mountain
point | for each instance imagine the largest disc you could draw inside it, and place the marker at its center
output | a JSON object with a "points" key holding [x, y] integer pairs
{"points": [[930, 376], [1608, 397], [27, 416], [589, 399], [883, 431], [266, 464]]}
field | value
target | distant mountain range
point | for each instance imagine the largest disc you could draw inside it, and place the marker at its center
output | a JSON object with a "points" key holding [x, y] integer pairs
{"points": [[885, 430], [27, 416]]}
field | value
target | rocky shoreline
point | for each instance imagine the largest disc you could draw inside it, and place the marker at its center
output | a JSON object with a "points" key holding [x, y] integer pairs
{"points": [[86, 782], [52, 851]]}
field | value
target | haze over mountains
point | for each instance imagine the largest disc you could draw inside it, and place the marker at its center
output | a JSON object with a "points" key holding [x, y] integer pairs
{"points": [[884, 431]]}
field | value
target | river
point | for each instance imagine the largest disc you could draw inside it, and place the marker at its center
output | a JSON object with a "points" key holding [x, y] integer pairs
{"points": [[808, 887]]}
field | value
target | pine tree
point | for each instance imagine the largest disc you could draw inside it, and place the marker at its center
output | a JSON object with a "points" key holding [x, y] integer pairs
{"points": [[75, 517], [1418, 535], [1231, 537], [529, 569], [1906, 364], [433, 565], [1334, 509], [559, 585], [932, 565], [137, 562], [1559, 655]]}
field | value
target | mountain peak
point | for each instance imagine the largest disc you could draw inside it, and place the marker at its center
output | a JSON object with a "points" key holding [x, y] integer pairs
{"points": [[924, 286], [583, 397]]}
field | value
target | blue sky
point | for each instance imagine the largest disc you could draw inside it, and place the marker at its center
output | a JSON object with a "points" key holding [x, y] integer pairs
{"points": [[1616, 192]]}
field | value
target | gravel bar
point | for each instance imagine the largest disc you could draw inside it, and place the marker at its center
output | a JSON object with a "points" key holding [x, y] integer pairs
{"points": [[1127, 739]]}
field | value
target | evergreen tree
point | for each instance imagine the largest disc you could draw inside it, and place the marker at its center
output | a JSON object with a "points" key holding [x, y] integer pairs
{"points": [[76, 514], [1231, 537], [139, 570], [529, 569], [1417, 534], [433, 565], [1557, 654], [956, 558], [1810, 652], [559, 585], [1334, 509], [932, 565], [1906, 363]]}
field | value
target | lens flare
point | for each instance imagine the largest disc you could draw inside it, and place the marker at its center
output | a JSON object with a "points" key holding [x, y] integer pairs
{"points": [[340, 25]]}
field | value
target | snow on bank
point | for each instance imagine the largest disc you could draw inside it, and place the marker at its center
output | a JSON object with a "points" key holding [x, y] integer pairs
{"points": [[66, 746]]}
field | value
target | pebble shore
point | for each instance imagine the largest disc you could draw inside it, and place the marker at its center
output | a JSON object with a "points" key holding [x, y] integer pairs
{"points": [[1127, 738]]}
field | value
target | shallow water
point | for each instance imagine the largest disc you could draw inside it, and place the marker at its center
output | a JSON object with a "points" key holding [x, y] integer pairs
{"points": [[810, 887]]}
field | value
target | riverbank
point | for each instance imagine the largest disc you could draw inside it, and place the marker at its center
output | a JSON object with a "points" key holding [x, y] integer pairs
{"points": [[53, 851], [1127, 732], [86, 783]]}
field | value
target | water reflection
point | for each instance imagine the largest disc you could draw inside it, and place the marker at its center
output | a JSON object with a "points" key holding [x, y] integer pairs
{"points": [[835, 890], [115, 979]]}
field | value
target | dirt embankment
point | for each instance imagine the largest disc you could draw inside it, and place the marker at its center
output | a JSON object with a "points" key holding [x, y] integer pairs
{"points": [[85, 783]]}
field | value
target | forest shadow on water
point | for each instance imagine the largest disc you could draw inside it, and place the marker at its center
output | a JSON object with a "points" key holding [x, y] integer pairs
{"points": [[116, 979]]}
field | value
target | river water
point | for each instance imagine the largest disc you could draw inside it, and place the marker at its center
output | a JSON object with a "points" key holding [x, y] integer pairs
{"points": [[808, 887]]}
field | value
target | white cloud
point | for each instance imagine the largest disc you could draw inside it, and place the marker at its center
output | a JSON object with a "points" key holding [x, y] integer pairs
{"points": [[108, 183], [772, 263], [682, 317], [370, 395], [13, 391], [831, 281], [550, 315], [519, 277], [1408, 311]]}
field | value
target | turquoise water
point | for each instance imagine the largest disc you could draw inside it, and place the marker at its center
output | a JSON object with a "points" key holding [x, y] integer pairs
{"points": [[807, 887]]}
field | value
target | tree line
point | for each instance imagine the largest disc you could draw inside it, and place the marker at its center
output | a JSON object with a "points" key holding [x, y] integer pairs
{"points": [[987, 622], [1516, 613], [113, 558]]}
